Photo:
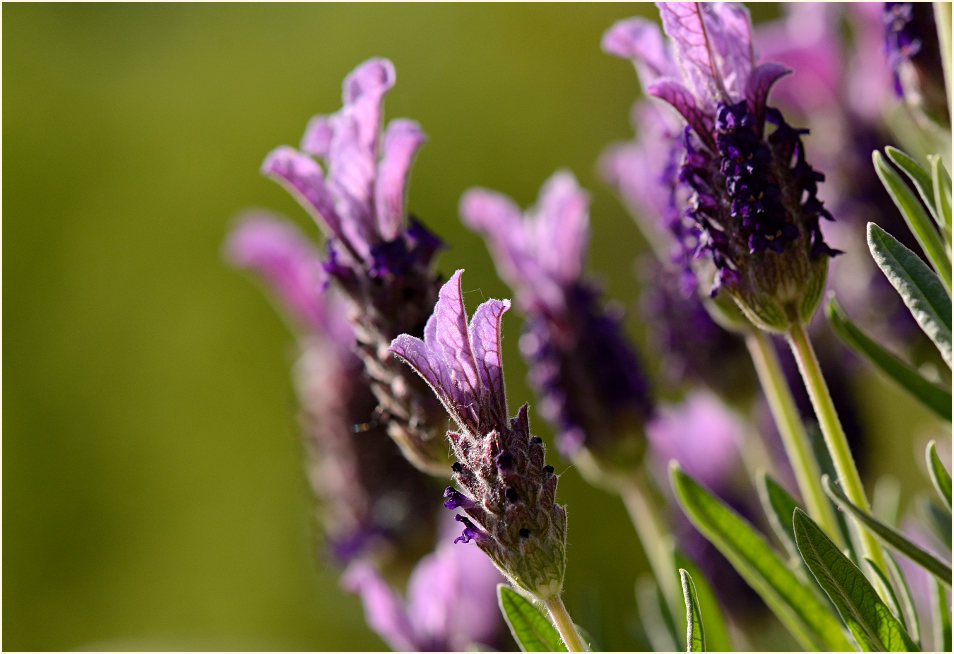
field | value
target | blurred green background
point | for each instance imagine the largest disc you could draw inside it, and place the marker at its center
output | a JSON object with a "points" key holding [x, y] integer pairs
{"points": [[154, 496]]}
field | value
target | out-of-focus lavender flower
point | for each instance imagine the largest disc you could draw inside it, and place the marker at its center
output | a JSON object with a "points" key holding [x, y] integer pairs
{"points": [[371, 500], [379, 258], [508, 495], [451, 603], [702, 434], [753, 195], [589, 381], [914, 55]]}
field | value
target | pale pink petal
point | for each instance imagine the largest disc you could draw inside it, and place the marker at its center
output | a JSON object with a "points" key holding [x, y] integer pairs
{"points": [[641, 40], [730, 36], [318, 135], [402, 138], [684, 102], [452, 343], [302, 176], [560, 227], [496, 216], [684, 25], [362, 92], [383, 609], [760, 82]]}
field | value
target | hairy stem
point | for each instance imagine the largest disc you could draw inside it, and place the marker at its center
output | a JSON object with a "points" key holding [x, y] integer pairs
{"points": [[794, 437], [564, 624], [834, 439]]}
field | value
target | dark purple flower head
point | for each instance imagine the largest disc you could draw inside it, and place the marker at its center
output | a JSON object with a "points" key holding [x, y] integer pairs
{"points": [[914, 56], [753, 195], [380, 258], [507, 494], [582, 366]]}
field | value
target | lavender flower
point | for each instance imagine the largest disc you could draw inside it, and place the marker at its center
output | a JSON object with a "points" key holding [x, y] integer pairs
{"points": [[753, 196], [582, 366], [380, 260], [371, 501], [451, 603], [914, 56], [506, 493]]}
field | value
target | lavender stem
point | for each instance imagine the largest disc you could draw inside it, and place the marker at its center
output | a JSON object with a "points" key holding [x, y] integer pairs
{"points": [[564, 624], [835, 439], [790, 428]]}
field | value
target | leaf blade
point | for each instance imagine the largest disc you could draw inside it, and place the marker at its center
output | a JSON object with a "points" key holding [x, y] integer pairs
{"points": [[940, 477], [916, 218], [868, 618], [918, 176], [941, 182], [528, 625], [717, 633], [695, 633], [805, 616], [932, 396], [920, 289], [893, 538]]}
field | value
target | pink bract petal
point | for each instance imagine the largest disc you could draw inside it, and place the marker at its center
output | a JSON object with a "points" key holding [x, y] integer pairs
{"points": [[641, 40], [760, 82], [402, 138], [485, 335], [383, 609], [318, 135], [561, 228], [730, 36], [362, 91], [684, 102], [303, 178]]}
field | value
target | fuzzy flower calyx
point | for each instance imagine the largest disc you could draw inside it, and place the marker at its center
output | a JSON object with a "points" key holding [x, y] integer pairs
{"points": [[752, 196], [380, 258], [506, 495]]}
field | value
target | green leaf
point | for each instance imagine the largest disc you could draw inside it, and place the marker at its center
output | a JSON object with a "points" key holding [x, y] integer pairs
{"points": [[893, 538], [795, 604], [918, 176], [868, 618], [895, 606], [531, 629], [917, 219], [717, 634], [655, 617], [778, 505], [937, 517], [942, 618], [940, 477], [941, 183], [932, 396], [912, 624], [921, 290], [695, 634]]}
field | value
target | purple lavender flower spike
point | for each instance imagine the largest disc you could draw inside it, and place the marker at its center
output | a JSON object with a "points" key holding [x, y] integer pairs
{"points": [[507, 494], [581, 365], [914, 56], [379, 257], [451, 602], [753, 194], [371, 502]]}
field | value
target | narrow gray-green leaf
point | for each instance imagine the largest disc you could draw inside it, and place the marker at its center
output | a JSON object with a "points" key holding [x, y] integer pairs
{"points": [[922, 290], [802, 613], [913, 625], [932, 396], [532, 630], [941, 182], [940, 477], [918, 176], [894, 605], [868, 618], [916, 217], [717, 634], [778, 505], [695, 634], [655, 617], [937, 517], [942, 618], [893, 538]]}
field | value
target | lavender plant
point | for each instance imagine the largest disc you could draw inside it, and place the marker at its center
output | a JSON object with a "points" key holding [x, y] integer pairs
{"points": [[724, 192]]}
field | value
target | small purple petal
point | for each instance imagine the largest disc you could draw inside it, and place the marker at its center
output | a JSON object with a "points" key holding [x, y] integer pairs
{"points": [[318, 135], [303, 178], [760, 82], [362, 92], [383, 609], [402, 138], [485, 341], [641, 40], [562, 227], [673, 92]]}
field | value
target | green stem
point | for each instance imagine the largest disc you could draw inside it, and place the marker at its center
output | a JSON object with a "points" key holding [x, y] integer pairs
{"points": [[834, 439], [794, 437], [564, 624], [653, 535]]}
